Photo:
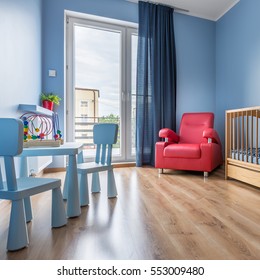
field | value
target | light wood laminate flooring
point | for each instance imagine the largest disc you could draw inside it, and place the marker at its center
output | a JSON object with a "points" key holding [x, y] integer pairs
{"points": [[176, 215]]}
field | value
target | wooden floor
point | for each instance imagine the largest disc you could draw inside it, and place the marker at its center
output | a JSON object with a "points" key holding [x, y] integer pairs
{"points": [[178, 215]]}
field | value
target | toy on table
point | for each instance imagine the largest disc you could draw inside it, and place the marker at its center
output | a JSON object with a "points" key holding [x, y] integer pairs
{"points": [[56, 127], [37, 127]]}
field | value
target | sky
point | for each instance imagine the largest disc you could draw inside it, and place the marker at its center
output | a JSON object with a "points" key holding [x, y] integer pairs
{"points": [[97, 65], [98, 62]]}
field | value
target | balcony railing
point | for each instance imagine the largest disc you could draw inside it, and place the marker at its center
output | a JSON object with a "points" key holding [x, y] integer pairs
{"points": [[84, 133], [84, 129]]}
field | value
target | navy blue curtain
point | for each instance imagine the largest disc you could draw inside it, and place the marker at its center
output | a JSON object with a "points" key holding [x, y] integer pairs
{"points": [[156, 78]]}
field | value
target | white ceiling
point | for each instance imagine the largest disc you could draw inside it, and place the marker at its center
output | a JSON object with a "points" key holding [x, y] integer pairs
{"points": [[208, 9]]}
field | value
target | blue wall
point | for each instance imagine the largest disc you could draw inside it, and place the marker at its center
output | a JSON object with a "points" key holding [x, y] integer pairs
{"points": [[196, 76], [20, 54], [238, 60], [53, 34], [195, 39]]}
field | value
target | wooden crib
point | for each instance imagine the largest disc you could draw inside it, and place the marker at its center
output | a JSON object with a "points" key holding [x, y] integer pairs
{"points": [[242, 153]]}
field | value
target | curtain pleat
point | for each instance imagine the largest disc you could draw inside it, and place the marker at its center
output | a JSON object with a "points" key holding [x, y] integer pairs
{"points": [[156, 78]]}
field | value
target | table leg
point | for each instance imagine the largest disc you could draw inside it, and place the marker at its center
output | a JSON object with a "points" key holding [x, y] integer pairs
{"points": [[65, 187], [73, 205]]}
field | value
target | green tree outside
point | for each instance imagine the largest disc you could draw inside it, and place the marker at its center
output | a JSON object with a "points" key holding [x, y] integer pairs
{"points": [[112, 119]]}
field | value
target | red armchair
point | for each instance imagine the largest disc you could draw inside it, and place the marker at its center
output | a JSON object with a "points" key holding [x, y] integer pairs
{"points": [[197, 147]]}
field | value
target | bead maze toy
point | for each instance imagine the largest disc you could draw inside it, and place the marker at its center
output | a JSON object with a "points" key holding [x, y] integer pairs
{"points": [[38, 127]]}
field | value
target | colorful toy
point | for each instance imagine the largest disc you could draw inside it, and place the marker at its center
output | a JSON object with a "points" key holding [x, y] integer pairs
{"points": [[38, 127], [56, 127]]}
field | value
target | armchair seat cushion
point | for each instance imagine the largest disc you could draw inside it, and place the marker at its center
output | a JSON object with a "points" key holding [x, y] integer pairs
{"points": [[182, 151]]}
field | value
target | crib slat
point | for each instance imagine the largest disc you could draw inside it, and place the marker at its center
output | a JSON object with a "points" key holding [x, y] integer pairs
{"points": [[243, 131], [227, 142], [238, 134], [234, 131], [231, 132], [252, 137], [246, 136], [256, 142], [227, 136]]}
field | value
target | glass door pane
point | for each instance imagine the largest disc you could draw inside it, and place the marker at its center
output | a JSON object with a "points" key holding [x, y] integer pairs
{"points": [[101, 83], [97, 94]]}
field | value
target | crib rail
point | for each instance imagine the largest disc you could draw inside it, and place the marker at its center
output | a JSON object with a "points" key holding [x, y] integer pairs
{"points": [[242, 147], [242, 134]]}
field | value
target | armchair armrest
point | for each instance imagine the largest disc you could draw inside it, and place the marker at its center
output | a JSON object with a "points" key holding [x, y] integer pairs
{"points": [[169, 135], [211, 135]]}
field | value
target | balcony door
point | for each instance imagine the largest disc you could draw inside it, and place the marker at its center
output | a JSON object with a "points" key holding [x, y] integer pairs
{"points": [[101, 74]]}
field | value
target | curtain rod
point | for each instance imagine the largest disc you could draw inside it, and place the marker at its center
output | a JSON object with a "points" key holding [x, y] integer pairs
{"points": [[156, 3]]}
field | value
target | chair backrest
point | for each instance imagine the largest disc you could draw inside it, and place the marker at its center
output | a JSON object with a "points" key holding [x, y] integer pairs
{"points": [[192, 126], [105, 135], [11, 144], [11, 140]]}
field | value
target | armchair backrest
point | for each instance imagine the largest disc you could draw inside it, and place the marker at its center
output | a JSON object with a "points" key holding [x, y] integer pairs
{"points": [[192, 126]]}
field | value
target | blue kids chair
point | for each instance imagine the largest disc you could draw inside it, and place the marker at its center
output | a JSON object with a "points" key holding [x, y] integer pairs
{"points": [[105, 135], [16, 190]]}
